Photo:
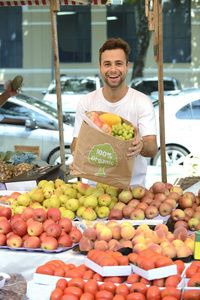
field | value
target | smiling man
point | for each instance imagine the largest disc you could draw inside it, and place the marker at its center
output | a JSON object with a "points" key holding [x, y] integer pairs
{"points": [[115, 97]]}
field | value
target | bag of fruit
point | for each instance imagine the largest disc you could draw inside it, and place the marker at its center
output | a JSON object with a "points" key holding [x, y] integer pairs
{"points": [[101, 149]]}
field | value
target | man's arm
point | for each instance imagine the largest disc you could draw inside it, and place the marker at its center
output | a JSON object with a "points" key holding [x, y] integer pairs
{"points": [[8, 93], [73, 145]]}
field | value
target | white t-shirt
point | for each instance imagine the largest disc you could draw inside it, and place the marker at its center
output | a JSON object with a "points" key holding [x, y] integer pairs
{"points": [[135, 107]]}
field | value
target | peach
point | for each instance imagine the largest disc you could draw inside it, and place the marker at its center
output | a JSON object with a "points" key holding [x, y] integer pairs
{"points": [[100, 245], [139, 247], [170, 237], [155, 248], [139, 232], [127, 244], [181, 233], [165, 244], [116, 232], [181, 224], [143, 227], [184, 251], [127, 232], [114, 245], [158, 236], [104, 234], [163, 227], [138, 239], [147, 233], [111, 223], [190, 243], [90, 233], [178, 244], [169, 251]]}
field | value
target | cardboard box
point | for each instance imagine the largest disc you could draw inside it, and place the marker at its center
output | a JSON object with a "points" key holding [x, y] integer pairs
{"points": [[27, 181], [110, 270], [102, 157], [155, 273]]}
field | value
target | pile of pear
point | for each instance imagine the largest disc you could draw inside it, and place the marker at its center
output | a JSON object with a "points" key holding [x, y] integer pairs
{"points": [[73, 199]]}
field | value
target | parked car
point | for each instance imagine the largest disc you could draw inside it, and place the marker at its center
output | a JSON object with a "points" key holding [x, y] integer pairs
{"points": [[182, 122], [147, 85], [28, 121], [72, 89]]}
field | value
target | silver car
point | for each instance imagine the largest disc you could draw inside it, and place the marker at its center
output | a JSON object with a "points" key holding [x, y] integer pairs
{"points": [[182, 123], [28, 121]]}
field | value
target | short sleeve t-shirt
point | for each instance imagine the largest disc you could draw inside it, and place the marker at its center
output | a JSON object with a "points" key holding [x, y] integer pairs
{"points": [[136, 107]]}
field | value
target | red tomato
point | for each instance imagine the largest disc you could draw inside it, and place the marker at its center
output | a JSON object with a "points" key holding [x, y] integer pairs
{"points": [[44, 269], [180, 265], [191, 270], [88, 274], [98, 277], [91, 286], [159, 282], [79, 282], [194, 281], [115, 279], [172, 280], [56, 294], [87, 296], [104, 295], [139, 287], [59, 272], [123, 260], [133, 278], [171, 291], [163, 262], [74, 290], [122, 289], [191, 295], [169, 298], [108, 286], [119, 297], [61, 283], [153, 293], [69, 297], [135, 296]]}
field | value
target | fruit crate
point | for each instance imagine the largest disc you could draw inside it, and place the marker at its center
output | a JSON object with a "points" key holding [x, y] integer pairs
{"points": [[187, 182]]}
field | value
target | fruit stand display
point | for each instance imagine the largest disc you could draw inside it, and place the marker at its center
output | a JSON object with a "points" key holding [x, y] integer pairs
{"points": [[78, 232]]}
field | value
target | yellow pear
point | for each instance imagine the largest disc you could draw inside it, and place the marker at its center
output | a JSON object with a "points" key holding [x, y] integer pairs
{"points": [[58, 182], [23, 199], [37, 196], [68, 214], [41, 183], [58, 191], [72, 204], [71, 193]]}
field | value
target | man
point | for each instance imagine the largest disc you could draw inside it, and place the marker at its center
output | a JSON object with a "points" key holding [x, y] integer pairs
{"points": [[115, 97], [9, 92]]}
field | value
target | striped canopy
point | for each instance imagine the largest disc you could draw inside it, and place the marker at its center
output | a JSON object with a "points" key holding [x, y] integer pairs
{"points": [[46, 2]]}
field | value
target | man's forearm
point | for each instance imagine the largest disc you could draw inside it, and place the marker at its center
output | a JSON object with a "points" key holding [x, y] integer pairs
{"points": [[149, 149], [73, 145]]}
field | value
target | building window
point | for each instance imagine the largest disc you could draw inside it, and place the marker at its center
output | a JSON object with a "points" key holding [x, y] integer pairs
{"points": [[176, 31], [74, 34], [121, 24], [11, 37]]}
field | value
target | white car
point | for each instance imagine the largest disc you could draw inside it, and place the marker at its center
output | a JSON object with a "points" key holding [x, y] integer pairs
{"points": [[72, 89], [182, 123]]}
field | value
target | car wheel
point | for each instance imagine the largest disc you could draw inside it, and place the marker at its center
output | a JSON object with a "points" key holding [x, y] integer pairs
{"points": [[174, 156], [55, 159]]}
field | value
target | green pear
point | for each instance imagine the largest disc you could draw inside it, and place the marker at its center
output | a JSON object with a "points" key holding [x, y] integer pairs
{"points": [[82, 187], [90, 201], [71, 193], [19, 209], [58, 191], [62, 208], [81, 200], [90, 190], [89, 214], [23, 199], [44, 203], [112, 203], [78, 195], [96, 208], [41, 183], [72, 204], [47, 185], [66, 186], [112, 191], [58, 182], [80, 211], [103, 212], [53, 202], [48, 192], [38, 196], [68, 214], [98, 192], [63, 199], [32, 191], [102, 185]]}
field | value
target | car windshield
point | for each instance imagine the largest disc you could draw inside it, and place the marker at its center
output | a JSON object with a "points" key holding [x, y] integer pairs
{"points": [[73, 86]]}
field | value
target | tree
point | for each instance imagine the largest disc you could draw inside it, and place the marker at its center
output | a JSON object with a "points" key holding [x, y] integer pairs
{"points": [[142, 38]]}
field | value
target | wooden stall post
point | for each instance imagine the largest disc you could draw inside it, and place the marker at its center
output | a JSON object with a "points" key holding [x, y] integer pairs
{"points": [[155, 24]]}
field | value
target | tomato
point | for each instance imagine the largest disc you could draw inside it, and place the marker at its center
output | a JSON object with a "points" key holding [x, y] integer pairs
{"points": [[98, 277], [122, 260], [87, 296], [115, 279], [45, 269], [99, 258], [69, 297], [88, 274], [135, 296], [191, 295], [108, 286], [61, 283], [153, 293], [191, 270], [146, 264], [171, 291], [132, 257], [145, 281], [159, 282], [74, 290], [72, 273], [56, 294], [163, 262], [56, 262], [139, 287], [122, 289], [108, 261], [196, 263], [91, 286], [59, 272], [180, 265], [169, 298], [79, 282], [172, 280], [104, 295], [93, 253], [194, 281], [133, 278], [118, 297]]}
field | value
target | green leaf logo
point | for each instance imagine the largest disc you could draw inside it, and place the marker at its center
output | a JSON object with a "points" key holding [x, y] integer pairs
{"points": [[103, 156]]}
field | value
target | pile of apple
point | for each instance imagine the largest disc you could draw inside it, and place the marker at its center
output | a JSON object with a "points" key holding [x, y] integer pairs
{"points": [[35, 228], [114, 236]]}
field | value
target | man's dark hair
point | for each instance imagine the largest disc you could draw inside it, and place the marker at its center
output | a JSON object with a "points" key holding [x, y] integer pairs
{"points": [[112, 44]]}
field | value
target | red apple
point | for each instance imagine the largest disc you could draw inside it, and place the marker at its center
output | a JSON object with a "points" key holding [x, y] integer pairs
{"points": [[165, 209], [5, 226], [54, 213], [158, 187], [47, 222], [20, 227], [2, 239], [42, 236], [190, 195], [64, 241], [14, 241], [35, 228], [49, 243], [115, 214], [178, 215], [32, 242], [39, 214], [75, 235], [138, 192], [5, 212], [185, 202], [14, 218], [54, 230], [27, 213], [151, 212], [66, 224]]}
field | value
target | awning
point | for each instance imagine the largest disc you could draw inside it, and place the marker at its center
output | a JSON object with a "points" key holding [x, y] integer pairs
{"points": [[47, 2]]}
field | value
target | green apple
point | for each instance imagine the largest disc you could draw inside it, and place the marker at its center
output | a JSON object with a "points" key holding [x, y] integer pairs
{"points": [[62, 208], [72, 204], [90, 201], [103, 212]]}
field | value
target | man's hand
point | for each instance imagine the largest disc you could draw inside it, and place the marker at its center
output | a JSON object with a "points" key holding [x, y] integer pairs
{"points": [[71, 165], [137, 145]]}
